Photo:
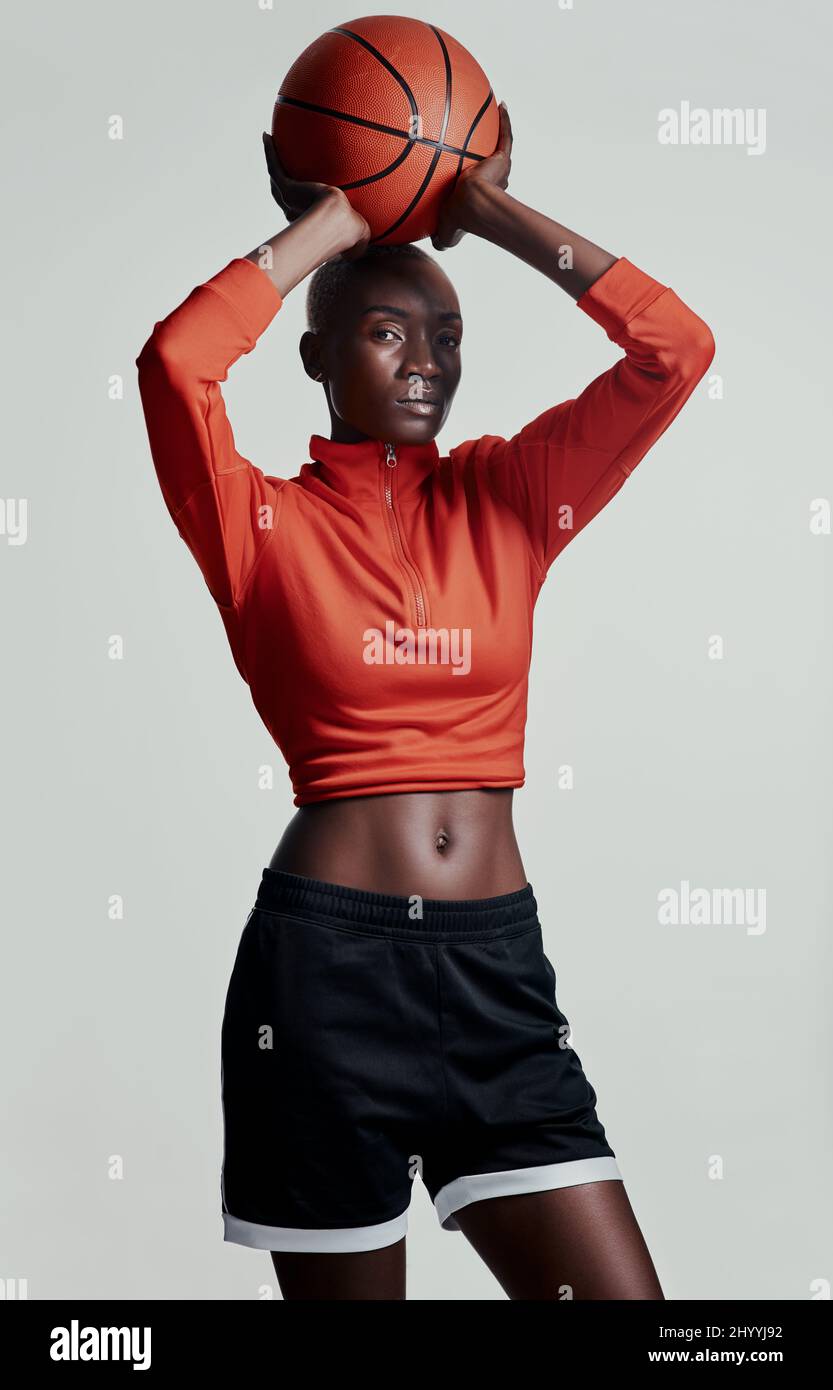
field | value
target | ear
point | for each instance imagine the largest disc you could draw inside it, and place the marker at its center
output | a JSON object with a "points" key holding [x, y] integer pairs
{"points": [[310, 350]]}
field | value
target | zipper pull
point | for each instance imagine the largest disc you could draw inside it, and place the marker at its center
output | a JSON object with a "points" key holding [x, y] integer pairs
{"points": [[390, 453]]}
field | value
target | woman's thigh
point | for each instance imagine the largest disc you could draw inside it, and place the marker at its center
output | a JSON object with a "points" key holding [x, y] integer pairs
{"points": [[580, 1242], [359, 1274]]}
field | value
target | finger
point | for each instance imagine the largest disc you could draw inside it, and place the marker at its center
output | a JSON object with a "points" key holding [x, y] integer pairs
{"points": [[505, 126], [454, 240], [289, 211], [276, 169], [278, 195], [270, 162], [505, 140]]}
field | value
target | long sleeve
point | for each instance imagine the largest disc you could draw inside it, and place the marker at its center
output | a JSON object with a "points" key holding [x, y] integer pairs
{"points": [[224, 508], [560, 470]]}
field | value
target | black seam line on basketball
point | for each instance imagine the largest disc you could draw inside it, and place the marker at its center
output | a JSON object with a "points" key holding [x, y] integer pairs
{"points": [[380, 57], [447, 62], [380, 126], [382, 173], [475, 123], [432, 166]]}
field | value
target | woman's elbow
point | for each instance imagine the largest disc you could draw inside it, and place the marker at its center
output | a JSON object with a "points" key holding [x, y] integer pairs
{"points": [[696, 350]]}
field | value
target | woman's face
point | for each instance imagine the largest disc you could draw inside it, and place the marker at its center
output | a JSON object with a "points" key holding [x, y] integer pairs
{"points": [[393, 362]]}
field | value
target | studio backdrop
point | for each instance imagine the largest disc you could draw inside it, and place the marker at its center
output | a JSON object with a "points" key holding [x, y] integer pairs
{"points": [[675, 820]]}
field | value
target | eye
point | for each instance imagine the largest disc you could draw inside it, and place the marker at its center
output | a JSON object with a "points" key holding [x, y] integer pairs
{"points": [[455, 342], [384, 330]]}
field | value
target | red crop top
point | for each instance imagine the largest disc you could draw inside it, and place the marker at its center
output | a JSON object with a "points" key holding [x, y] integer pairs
{"points": [[379, 604]]}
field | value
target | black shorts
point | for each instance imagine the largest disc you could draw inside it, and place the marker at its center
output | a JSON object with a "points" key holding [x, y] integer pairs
{"points": [[364, 1045]]}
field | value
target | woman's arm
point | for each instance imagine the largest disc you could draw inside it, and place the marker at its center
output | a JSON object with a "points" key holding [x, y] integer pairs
{"points": [[562, 468], [490, 212], [225, 508], [479, 203], [335, 229]]}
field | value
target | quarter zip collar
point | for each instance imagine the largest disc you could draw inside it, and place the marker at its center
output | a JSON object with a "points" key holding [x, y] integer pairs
{"points": [[354, 470]]}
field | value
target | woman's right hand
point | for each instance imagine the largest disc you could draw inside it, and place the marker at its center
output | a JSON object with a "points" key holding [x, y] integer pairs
{"points": [[294, 197]]}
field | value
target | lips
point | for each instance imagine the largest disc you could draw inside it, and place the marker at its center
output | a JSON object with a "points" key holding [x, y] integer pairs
{"points": [[430, 401]]}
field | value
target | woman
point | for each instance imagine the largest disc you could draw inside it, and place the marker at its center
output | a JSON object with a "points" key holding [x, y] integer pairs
{"points": [[391, 1010]]}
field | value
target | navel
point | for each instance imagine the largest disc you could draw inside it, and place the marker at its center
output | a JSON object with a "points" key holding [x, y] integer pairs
{"points": [[441, 841]]}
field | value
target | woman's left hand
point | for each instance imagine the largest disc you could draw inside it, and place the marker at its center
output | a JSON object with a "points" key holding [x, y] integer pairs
{"points": [[494, 169]]}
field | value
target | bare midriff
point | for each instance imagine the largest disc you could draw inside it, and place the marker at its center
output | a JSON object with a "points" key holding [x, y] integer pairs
{"points": [[455, 844]]}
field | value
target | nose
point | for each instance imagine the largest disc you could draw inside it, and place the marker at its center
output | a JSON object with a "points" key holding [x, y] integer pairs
{"points": [[419, 374], [419, 359]]}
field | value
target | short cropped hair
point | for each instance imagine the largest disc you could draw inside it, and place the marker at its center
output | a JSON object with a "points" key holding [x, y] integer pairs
{"points": [[331, 279]]}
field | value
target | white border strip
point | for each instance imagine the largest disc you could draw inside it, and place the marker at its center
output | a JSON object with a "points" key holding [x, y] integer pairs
{"points": [[314, 1241], [475, 1187]]}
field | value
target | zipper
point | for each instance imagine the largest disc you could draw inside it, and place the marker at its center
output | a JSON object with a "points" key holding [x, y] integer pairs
{"points": [[390, 465]]}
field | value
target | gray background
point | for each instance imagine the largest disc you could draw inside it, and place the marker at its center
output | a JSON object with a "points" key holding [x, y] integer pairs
{"points": [[139, 777]]}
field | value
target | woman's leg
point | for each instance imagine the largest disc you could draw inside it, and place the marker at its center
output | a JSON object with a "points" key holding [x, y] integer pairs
{"points": [[361, 1274], [569, 1242]]}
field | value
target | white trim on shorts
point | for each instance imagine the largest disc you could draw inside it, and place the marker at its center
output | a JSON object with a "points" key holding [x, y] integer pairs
{"points": [[311, 1240], [474, 1187]]}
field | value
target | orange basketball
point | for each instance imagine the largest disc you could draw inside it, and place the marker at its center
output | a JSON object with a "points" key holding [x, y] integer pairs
{"points": [[390, 110]]}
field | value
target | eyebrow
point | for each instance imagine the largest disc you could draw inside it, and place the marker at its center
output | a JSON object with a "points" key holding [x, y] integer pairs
{"points": [[404, 313]]}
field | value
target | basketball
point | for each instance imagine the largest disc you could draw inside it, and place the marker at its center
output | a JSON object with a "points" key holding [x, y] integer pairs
{"points": [[391, 110]]}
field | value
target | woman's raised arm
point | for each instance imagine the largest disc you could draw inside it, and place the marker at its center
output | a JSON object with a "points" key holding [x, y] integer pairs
{"points": [[225, 508], [563, 467]]}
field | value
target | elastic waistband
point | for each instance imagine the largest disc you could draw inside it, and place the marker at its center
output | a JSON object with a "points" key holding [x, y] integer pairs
{"points": [[388, 914]]}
